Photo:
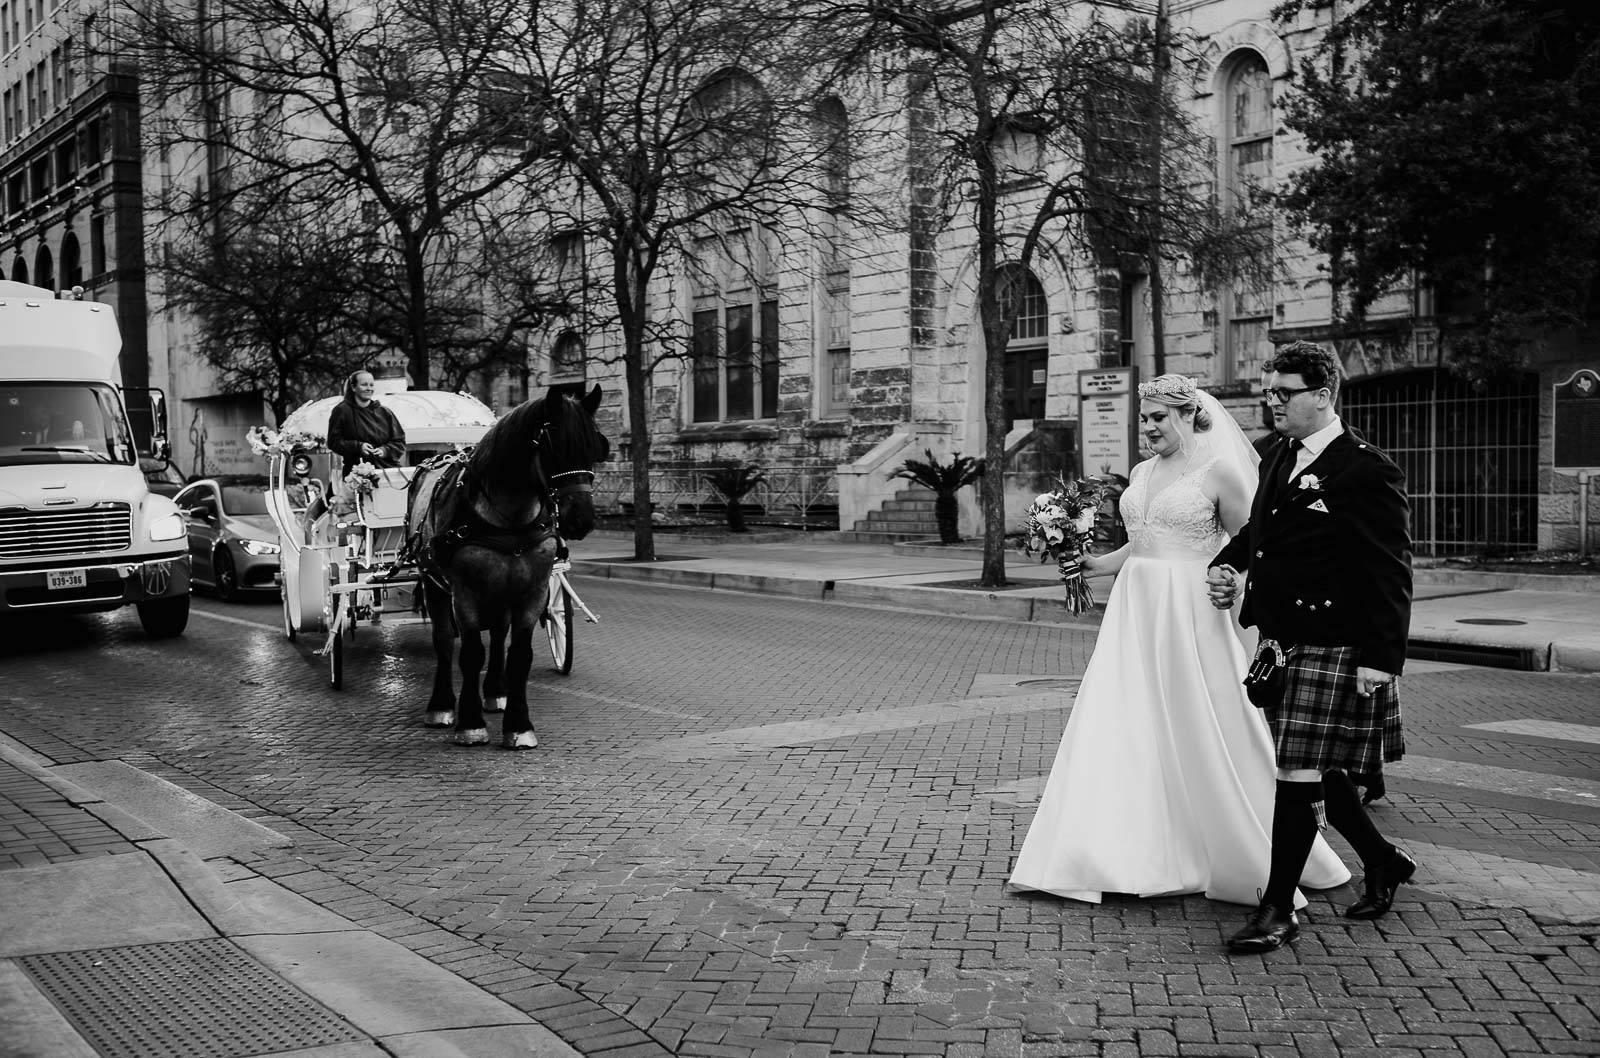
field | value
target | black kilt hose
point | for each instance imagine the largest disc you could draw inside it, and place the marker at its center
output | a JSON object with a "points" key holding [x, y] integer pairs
{"points": [[1323, 724]]}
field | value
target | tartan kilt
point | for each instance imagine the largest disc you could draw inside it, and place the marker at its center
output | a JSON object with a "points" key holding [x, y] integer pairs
{"points": [[1323, 724]]}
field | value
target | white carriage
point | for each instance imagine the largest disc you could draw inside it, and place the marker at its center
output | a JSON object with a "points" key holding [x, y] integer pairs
{"points": [[342, 555]]}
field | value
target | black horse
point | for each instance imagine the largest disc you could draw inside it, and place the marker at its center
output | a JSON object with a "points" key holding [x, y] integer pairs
{"points": [[484, 530]]}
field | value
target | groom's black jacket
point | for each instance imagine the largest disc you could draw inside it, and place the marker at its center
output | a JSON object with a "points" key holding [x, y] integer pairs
{"points": [[1329, 554]]}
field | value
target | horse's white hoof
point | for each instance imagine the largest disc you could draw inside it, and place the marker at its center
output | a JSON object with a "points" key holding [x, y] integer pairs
{"points": [[519, 740], [494, 705], [440, 718], [476, 736]]}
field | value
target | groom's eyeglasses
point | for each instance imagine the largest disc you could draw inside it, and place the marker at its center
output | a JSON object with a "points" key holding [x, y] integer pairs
{"points": [[1281, 394]]}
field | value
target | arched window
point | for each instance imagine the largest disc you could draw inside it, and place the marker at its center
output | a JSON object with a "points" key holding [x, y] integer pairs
{"points": [[71, 262], [1247, 130], [19, 270], [1027, 350], [567, 359], [734, 314], [832, 131], [44, 269]]}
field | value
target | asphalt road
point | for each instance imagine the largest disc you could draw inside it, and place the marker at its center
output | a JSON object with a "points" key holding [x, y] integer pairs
{"points": [[765, 826]]}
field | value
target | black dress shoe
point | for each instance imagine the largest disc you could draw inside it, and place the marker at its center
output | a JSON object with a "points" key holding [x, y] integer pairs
{"points": [[1379, 887], [1268, 928]]}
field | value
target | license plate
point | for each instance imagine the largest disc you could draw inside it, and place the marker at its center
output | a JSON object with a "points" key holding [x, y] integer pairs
{"points": [[57, 579]]}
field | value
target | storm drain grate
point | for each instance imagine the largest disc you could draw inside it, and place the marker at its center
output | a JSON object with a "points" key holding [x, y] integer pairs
{"points": [[197, 999]]}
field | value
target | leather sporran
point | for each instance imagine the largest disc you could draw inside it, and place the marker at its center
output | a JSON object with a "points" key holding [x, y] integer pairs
{"points": [[1268, 675]]}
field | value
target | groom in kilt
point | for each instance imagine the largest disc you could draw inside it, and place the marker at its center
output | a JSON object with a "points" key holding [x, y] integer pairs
{"points": [[1328, 553]]}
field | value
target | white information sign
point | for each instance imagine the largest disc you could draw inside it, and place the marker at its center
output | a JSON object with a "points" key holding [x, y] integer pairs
{"points": [[1106, 420]]}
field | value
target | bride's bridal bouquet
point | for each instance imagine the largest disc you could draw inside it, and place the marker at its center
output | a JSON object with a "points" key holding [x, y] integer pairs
{"points": [[1060, 524]]}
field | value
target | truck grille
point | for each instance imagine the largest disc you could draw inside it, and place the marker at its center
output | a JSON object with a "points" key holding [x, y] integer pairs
{"points": [[99, 530]]}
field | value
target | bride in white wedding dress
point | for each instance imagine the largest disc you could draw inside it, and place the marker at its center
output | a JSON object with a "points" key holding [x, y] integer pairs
{"points": [[1164, 780]]}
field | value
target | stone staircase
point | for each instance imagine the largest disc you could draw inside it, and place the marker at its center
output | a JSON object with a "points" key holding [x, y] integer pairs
{"points": [[908, 516]]}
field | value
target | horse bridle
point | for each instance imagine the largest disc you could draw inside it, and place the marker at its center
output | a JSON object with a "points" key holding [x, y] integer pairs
{"points": [[548, 482]]}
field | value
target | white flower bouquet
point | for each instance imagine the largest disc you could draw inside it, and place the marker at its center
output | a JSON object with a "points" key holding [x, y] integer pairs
{"points": [[362, 480], [269, 442], [1060, 525]]}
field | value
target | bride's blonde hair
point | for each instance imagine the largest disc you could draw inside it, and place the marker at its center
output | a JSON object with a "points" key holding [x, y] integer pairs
{"points": [[1177, 391]]}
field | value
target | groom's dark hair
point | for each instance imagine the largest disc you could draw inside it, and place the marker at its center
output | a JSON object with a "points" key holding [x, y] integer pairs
{"points": [[1318, 366]]}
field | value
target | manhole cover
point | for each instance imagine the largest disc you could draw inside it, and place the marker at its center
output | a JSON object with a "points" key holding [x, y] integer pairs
{"points": [[1488, 621], [197, 999]]}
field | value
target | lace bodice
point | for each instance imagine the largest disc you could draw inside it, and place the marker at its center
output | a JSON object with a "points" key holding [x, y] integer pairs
{"points": [[1179, 522]]}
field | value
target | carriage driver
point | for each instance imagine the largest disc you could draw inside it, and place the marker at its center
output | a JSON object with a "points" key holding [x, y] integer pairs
{"points": [[363, 431]]}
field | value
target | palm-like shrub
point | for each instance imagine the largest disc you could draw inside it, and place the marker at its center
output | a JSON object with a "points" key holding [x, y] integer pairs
{"points": [[733, 482], [945, 479]]}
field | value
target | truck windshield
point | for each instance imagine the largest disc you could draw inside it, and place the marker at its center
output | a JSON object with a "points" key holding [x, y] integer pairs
{"points": [[63, 422]]}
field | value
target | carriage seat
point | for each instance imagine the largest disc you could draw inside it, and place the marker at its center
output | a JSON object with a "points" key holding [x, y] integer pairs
{"points": [[387, 505]]}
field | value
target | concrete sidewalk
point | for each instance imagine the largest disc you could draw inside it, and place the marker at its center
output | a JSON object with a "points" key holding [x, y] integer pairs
{"points": [[1533, 622], [88, 942]]}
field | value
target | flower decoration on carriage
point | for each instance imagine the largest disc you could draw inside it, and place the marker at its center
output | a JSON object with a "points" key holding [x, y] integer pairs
{"points": [[362, 480], [269, 442], [1060, 525]]}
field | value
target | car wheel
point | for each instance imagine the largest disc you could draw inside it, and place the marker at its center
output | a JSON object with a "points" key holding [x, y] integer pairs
{"points": [[225, 574]]}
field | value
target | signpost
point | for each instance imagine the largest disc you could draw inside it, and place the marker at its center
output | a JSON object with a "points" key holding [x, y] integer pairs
{"points": [[1106, 420]]}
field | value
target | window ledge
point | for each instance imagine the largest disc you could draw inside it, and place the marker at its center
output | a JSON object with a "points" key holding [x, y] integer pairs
{"points": [[701, 432], [826, 428]]}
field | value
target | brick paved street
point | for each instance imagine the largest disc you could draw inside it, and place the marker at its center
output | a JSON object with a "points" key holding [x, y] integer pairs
{"points": [[757, 826]]}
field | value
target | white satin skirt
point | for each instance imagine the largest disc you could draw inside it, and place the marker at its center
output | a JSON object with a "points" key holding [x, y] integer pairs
{"points": [[1164, 780]]}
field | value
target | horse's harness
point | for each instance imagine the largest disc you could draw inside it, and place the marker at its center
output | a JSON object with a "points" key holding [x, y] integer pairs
{"points": [[468, 527]]}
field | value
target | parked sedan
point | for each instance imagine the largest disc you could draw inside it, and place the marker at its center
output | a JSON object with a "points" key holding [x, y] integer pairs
{"points": [[232, 540]]}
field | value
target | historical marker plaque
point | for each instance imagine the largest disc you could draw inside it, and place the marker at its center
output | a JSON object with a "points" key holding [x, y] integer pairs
{"points": [[1577, 421]]}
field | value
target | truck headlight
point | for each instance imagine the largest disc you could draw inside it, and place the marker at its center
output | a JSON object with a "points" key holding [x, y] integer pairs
{"points": [[258, 547], [168, 527]]}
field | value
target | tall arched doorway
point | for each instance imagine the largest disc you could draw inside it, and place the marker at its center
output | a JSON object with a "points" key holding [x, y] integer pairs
{"points": [[1471, 455]]}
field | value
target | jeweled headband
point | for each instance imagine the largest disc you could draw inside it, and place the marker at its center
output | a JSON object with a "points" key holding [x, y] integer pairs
{"points": [[1169, 387]]}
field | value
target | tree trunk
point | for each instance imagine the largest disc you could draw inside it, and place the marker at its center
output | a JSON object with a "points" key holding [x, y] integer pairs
{"points": [[631, 301], [735, 516]]}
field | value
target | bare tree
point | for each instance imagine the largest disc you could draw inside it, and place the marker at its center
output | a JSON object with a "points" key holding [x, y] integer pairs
{"points": [[389, 119], [684, 136], [270, 305], [1041, 125]]}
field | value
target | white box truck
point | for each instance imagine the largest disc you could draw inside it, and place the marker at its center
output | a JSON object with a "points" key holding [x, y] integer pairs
{"points": [[80, 530]]}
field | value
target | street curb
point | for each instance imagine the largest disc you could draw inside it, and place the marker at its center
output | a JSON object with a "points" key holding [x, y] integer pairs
{"points": [[975, 604], [1031, 609]]}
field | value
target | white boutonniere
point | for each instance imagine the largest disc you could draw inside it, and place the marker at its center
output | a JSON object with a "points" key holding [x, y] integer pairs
{"points": [[1310, 482]]}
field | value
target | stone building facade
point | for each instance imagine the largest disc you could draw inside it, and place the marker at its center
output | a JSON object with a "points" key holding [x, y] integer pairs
{"points": [[852, 350], [878, 353], [70, 175]]}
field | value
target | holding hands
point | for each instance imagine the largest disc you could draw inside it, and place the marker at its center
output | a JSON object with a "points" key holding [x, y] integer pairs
{"points": [[1222, 586]]}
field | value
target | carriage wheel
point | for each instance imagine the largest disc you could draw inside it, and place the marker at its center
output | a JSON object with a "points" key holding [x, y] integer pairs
{"points": [[339, 605], [288, 618], [336, 664], [558, 625]]}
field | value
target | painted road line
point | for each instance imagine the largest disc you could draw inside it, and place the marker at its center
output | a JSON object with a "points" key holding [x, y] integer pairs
{"points": [[1542, 729], [1541, 785], [1499, 881], [826, 728]]}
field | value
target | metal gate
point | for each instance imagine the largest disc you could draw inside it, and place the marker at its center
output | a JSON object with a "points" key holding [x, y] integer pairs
{"points": [[1471, 456]]}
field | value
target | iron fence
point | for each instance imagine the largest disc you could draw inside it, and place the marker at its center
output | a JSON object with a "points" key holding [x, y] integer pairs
{"points": [[1470, 455]]}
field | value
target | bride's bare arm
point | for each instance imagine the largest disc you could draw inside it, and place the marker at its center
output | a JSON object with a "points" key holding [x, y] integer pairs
{"points": [[1105, 565], [1232, 495]]}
